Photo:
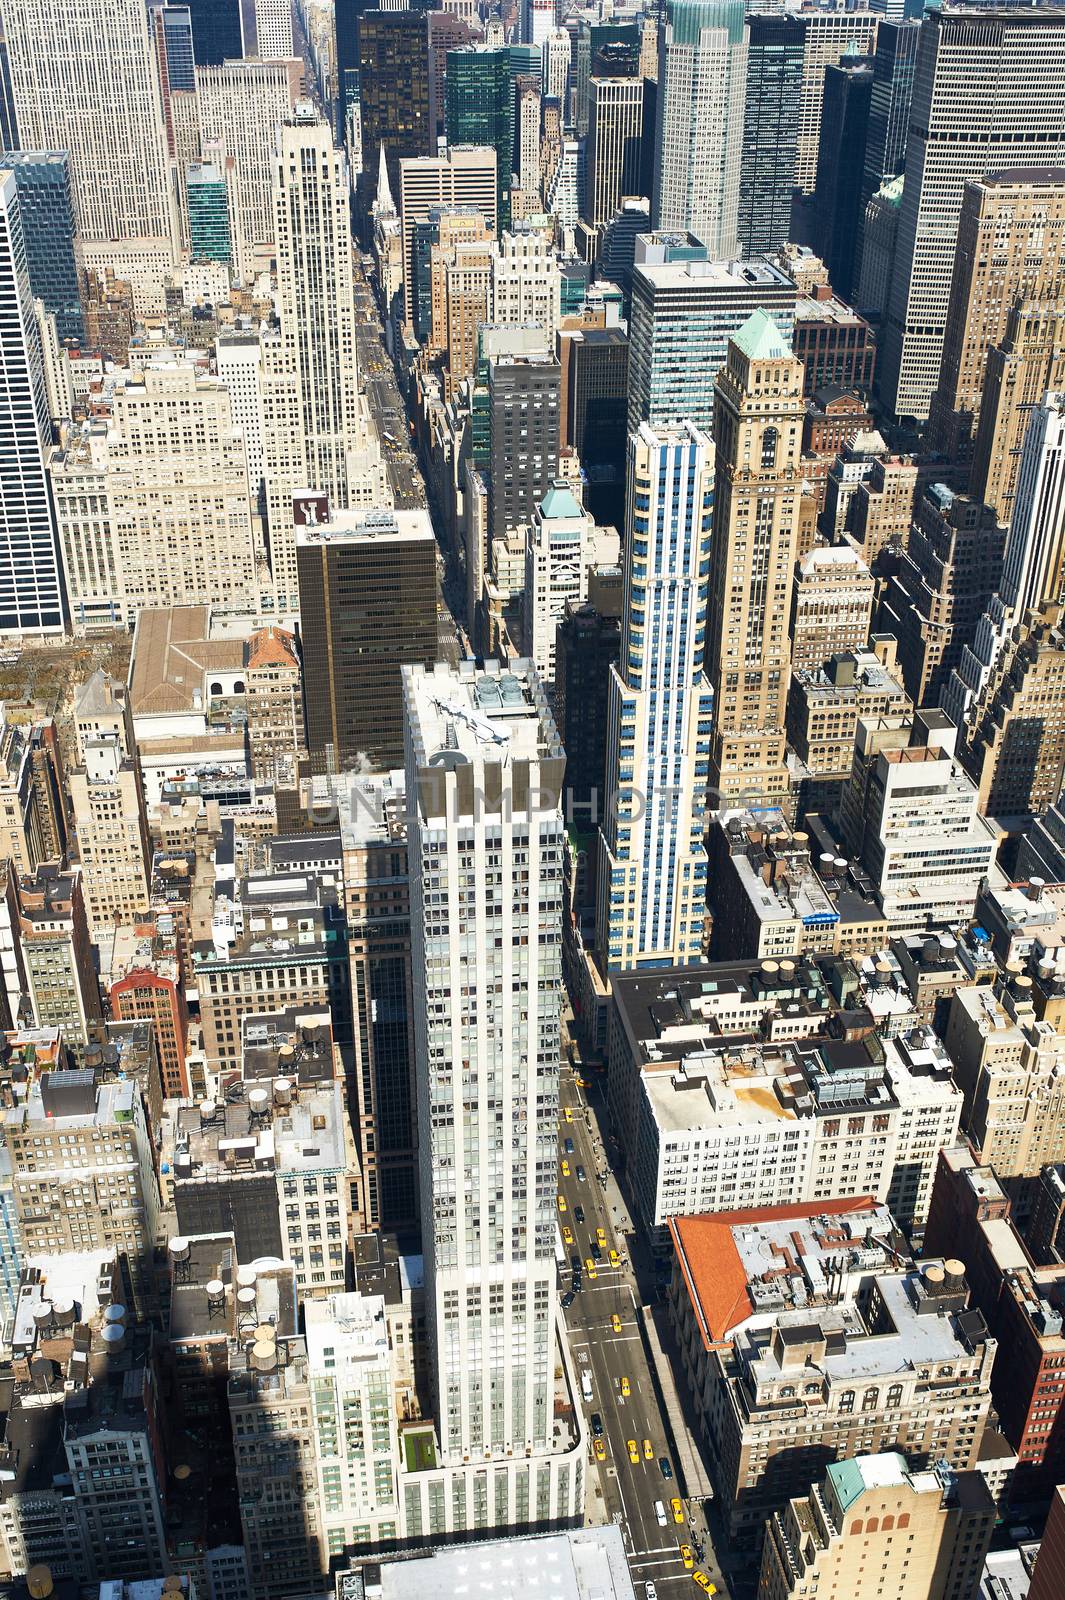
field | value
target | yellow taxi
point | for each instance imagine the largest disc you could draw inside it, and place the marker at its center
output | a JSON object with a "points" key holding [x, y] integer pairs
{"points": [[648, 1450], [582, 1083], [625, 1390], [687, 1557], [562, 1202], [677, 1508], [567, 1112], [600, 1234], [615, 1323], [704, 1582], [615, 1259], [567, 1236], [600, 1449], [634, 1454], [565, 1169]]}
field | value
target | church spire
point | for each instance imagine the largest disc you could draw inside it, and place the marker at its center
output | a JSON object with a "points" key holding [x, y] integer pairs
{"points": [[384, 202]]}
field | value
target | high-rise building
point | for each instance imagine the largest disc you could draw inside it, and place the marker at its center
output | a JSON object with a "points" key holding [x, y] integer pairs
{"points": [[446, 32], [1027, 362], [1033, 564], [561, 545], [556, 51], [702, 71], [217, 31], [464, 176], [758, 419], [684, 311], [614, 152], [652, 868], [485, 773], [539, 19], [42, 178], [85, 81], [107, 799], [839, 198], [346, 15], [524, 428], [61, 982], [526, 284], [976, 74], [208, 206], [596, 397], [775, 51], [889, 110], [480, 110], [30, 590], [830, 35], [239, 364], [162, 483], [241, 107], [877, 1517], [273, 29], [393, 67], [313, 368], [1010, 247], [367, 584]]}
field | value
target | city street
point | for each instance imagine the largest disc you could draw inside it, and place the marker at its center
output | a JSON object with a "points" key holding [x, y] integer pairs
{"points": [[378, 378], [631, 1492]]}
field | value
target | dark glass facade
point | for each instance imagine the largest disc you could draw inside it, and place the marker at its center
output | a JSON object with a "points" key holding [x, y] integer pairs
{"points": [[480, 110], [770, 131], [216, 31], [42, 178]]}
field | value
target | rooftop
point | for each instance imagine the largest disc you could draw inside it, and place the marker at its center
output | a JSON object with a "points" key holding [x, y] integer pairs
{"points": [[760, 340], [359, 525], [583, 1564], [493, 715]]}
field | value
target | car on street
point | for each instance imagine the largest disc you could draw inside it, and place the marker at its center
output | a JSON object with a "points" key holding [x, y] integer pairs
{"points": [[575, 1263], [578, 1213], [650, 1592], [567, 1236], [615, 1323], [648, 1450], [667, 1470], [562, 1202], [568, 1299], [565, 1167], [634, 1454], [677, 1508], [596, 1421], [686, 1556], [623, 1385], [615, 1259], [581, 1174], [567, 1112], [597, 1254], [704, 1582], [599, 1449], [568, 1147], [600, 1234]]}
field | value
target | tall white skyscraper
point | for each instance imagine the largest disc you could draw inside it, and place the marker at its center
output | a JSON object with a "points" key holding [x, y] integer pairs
{"points": [[30, 598], [1033, 565], [538, 19], [652, 873], [242, 107], [555, 55], [273, 28], [84, 79], [986, 97], [702, 72], [317, 431], [484, 779]]}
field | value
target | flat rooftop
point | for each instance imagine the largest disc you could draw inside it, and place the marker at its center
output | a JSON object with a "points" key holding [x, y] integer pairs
{"points": [[365, 526], [584, 1564], [171, 655], [491, 714]]}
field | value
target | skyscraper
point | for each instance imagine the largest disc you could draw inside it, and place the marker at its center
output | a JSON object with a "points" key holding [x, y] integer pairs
{"points": [[367, 607], [980, 103], [217, 35], [1010, 247], [770, 129], [317, 314], [208, 203], [84, 80], [42, 178], [839, 195], [273, 29], [480, 110], [652, 868], [538, 20], [702, 71], [1033, 564], [829, 36], [683, 313], [889, 112], [615, 130], [486, 834], [758, 421], [30, 596], [523, 403], [393, 94]]}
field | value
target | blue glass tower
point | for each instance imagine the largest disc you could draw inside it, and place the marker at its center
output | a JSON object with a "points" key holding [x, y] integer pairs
{"points": [[42, 178]]}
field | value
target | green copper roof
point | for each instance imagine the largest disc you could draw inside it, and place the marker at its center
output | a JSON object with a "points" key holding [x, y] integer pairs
{"points": [[760, 339], [851, 1478], [559, 502]]}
